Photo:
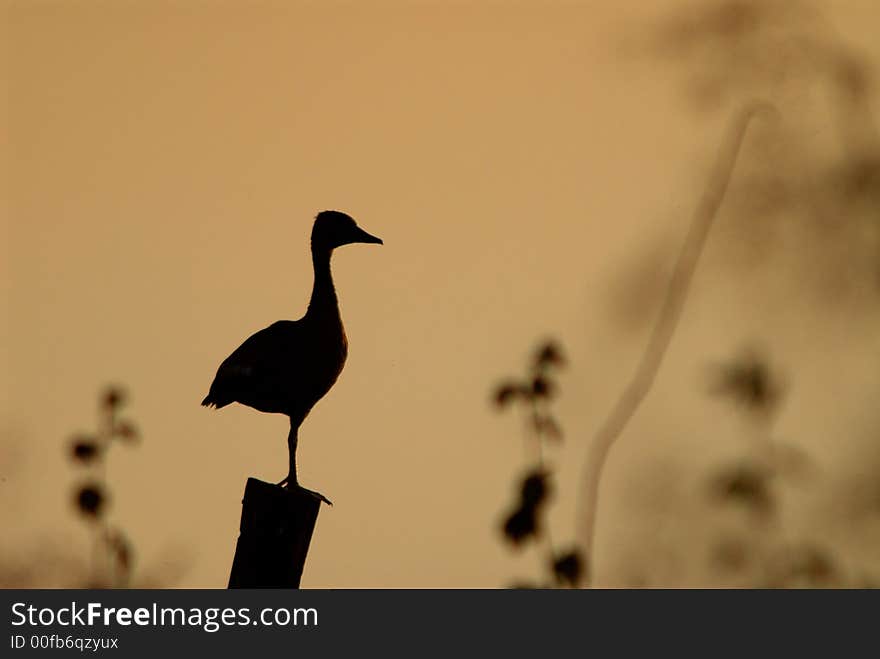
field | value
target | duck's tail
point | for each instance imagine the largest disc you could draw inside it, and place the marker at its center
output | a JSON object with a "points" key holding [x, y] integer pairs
{"points": [[211, 401]]}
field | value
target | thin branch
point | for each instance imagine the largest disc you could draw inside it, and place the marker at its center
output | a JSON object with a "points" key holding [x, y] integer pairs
{"points": [[664, 329]]}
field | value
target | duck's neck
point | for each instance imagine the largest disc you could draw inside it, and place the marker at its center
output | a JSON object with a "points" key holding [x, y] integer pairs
{"points": [[323, 299]]}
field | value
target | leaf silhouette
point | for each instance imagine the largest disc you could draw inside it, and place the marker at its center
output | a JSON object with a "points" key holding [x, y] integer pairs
{"points": [[91, 500], [84, 448], [127, 431], [121, 547], [542, 387], [549, 355], [114, 397], [747, 484], [546, 424], [520, 525], [506, 393], [535, 489], [569, 568]]}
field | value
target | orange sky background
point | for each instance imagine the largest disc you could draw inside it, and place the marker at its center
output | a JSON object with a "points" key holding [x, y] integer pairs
{"points": [[162, 163]]}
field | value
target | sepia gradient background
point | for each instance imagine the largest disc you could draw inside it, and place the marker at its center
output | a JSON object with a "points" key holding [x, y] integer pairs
{"points": [[531, 167]]}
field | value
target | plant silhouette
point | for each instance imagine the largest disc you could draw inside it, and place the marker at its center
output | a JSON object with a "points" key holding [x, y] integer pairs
{"points": [[50, 563], [525, 522], [763, 550], [113, 554]]}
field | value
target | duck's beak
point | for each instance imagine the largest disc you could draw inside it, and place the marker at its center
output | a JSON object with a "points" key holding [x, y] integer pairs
{"points": [[362, 236]]}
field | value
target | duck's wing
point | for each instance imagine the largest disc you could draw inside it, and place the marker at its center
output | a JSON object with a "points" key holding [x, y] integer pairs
{"points": [[256, 372]]}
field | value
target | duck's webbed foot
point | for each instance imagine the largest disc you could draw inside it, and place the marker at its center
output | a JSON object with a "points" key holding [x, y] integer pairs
{"points": [[312, 493], [289, 483]]}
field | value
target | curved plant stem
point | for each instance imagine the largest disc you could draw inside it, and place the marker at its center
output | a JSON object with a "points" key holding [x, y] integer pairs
{"points": [[664, 328]]}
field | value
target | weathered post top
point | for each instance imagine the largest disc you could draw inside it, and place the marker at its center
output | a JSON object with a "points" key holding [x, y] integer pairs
{"points": [[275, 532]]}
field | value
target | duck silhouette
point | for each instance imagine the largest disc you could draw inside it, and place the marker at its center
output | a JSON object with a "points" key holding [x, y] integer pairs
{"points": [[289, 366]]}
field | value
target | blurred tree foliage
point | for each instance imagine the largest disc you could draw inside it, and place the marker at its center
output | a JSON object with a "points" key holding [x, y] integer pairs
{"points": [[802, 191]]}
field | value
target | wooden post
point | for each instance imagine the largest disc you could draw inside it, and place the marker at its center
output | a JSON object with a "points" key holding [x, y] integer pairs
{"points": [[276, 529]]}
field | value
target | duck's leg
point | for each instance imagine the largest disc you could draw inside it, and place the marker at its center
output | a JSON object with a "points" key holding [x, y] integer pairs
{"points": [[290, 479], [290, 482]]}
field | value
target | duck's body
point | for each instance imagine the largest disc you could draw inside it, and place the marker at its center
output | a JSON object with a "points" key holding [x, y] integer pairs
{"points": [[285, 368], [289, 366]]}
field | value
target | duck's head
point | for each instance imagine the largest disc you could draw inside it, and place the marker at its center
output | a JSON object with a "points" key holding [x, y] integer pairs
{"points": [[333, 229]]}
